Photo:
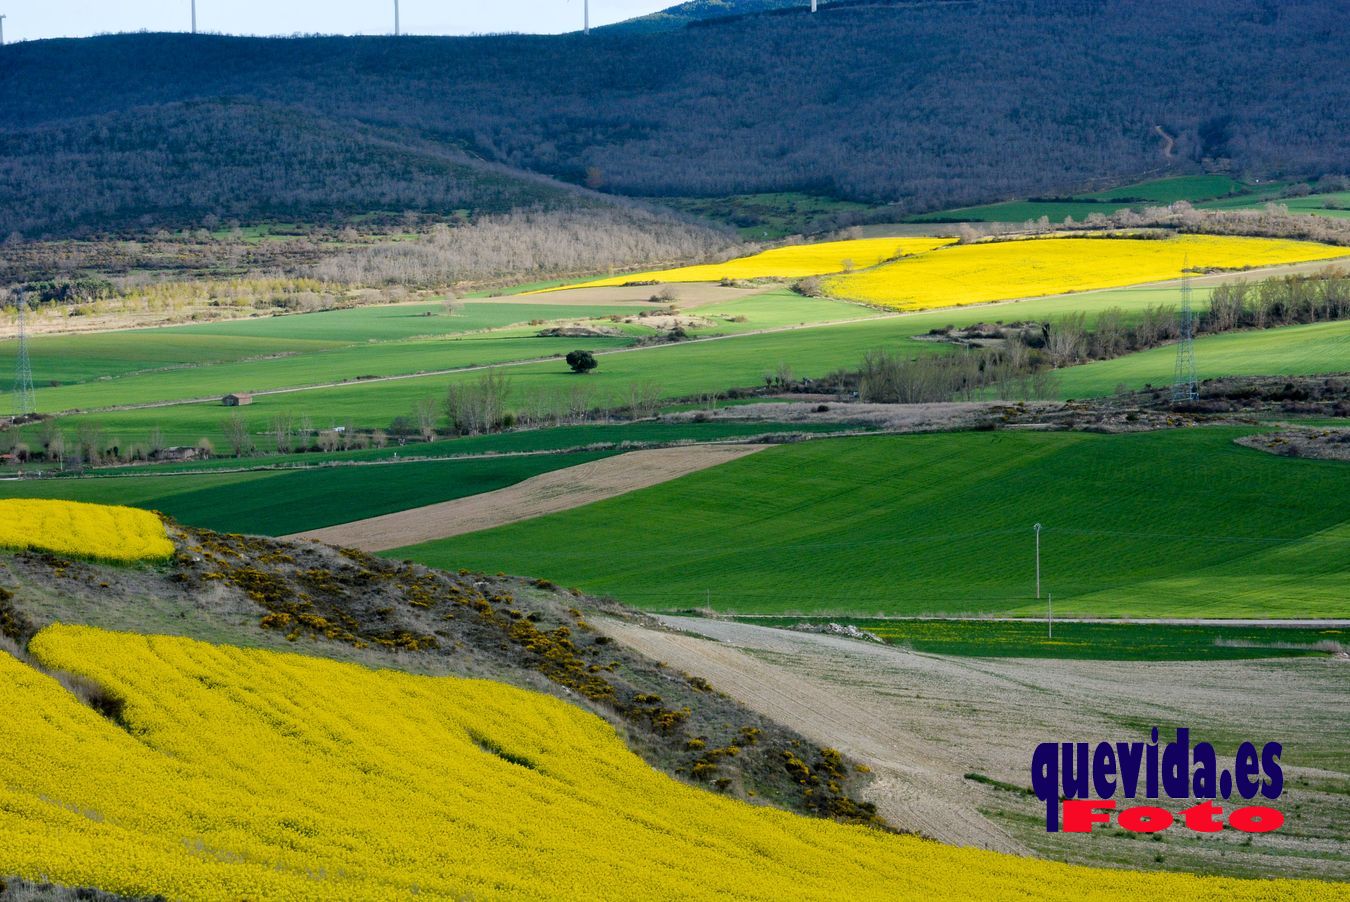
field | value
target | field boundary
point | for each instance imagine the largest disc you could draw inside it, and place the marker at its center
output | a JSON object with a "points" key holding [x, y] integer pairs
{"points": [[537, 496]]}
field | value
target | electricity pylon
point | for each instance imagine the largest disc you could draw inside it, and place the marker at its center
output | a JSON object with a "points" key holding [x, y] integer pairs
{"points": [[1185, 384], [24, 399]]}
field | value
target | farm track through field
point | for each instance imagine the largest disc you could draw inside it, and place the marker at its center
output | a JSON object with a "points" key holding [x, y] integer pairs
{"points": [[924, 721], [913, 789], [544, 494]]}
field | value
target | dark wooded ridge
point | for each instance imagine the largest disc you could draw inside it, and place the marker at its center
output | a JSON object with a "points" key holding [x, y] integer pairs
{"points": [[924, 105]]}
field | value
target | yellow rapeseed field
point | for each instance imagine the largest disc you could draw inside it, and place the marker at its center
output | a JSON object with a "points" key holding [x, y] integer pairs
{"points": [[796, 262], [85, 530], [244, 774], [1004, 270]]}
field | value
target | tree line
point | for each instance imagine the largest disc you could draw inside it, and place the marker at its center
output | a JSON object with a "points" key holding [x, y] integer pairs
{"points": [[529, 244], [1023, 362]]}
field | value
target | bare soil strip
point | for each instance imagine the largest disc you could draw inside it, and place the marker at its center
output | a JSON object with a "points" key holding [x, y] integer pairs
{"points": [[547, 493], [914, 788], [922, 722]]}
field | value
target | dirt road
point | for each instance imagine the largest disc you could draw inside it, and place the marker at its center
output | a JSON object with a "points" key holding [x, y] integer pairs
{"points": [[914, 787], [923, 722], [544, 494]]}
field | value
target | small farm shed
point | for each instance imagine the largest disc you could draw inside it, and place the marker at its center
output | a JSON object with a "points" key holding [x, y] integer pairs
{"points": [[239, 400]]}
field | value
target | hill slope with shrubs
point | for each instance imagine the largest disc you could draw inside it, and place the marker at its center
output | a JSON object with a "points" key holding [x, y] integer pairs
{"points": [[311, 598]]}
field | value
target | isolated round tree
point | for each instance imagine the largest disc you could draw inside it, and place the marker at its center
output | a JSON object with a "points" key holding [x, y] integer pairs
{"points": [[582, 361]]}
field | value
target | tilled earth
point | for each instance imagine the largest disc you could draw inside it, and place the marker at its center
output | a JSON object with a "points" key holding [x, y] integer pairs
{"points": [[950, 739]]}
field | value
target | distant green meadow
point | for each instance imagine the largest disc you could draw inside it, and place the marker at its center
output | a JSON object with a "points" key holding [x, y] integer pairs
{"points": [[687, 369], [1091, 641], [586, 437], [363, 368], [1207, 192], [1286, 351], [1220, 189], [1335, 204], [1179, 523], [282, 494], [87, 372], [182, 362]]}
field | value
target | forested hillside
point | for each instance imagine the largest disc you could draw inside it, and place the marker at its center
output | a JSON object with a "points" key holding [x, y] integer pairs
{"points": [[683, 14], [924, 105]]}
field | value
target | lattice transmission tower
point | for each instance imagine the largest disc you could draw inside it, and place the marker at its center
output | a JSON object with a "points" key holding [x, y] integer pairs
{"points": [[24, 400], [1185, 384]]}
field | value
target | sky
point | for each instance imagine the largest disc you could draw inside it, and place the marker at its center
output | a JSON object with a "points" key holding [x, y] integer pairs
{"points": [[27, 20]]}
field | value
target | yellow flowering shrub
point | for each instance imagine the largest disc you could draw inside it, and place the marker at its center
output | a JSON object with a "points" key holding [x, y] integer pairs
{"points": [[1006, 270], [83, 530], [244, 774], [795, 262]]}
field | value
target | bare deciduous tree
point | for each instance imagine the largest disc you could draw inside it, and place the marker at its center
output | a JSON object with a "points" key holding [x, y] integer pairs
{"points": [[642, 399], [478, 406], [1067, 340], [283, 432], [235, 428], [425, 415]]}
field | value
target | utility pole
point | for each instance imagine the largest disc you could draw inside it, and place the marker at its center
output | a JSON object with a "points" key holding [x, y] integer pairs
{"points": [[813, 5], [397, 28], [2, 31], [1037, 527], [586, 12], [194, 16], [1050, 616]]}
